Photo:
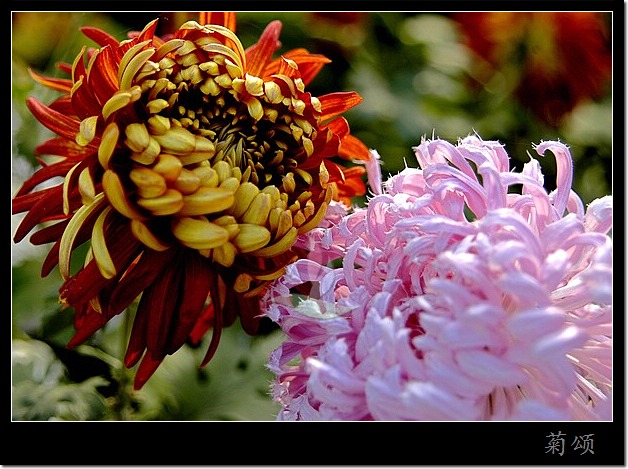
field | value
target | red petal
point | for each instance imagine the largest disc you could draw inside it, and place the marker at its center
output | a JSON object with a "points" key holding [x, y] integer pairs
{"points": [[339, 127], [146, 369], [84, 102], [148, 34], [64, 67], [213, 344], [159, 301], [249, 309], [47, 172], [63, 147], [324, 150], [202, 325], [138, 277], [99, 36], [258, 55], [335, 171], [42, 206], [53, 120], [83, 286], [137, 341], [52, 259], [49, 234], [63, 104], [196, 282], [352, 184], [103, 76], [87, 321], [77, 289]]}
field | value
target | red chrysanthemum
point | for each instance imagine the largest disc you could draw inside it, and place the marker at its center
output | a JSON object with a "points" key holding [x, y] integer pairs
{"points": [[190, 167]]}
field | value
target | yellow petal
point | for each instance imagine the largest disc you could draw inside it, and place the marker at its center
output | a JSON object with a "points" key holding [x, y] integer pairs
{"points": [[251, 237], [108, 143], [86, 187], [256, 110], [177, 141], [66, 189], [137, 137], [254, 85], [169, 166], [146, 236], [284, 223], [128, 56], [134, 66], [258, 211], [99, 247], [280, 246], [315, 220], [167, 47], [169, 203], [206, 200], [116, 195], [158, 125], [243, 196], [87, 131], [149, 183], [119, 100], [69, 234], [242, 282], [187, 181], [199, 233], [225, 254]]}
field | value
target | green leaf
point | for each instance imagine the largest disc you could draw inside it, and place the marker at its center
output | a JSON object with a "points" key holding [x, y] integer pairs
{"points": [[39, 390]]}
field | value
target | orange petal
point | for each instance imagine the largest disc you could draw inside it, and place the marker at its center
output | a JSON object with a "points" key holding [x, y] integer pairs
{"points": [[309, 64], [60, 84], [339, 127], [353, 148], [334, 104], [148, 33], [222, 18], [258, 55]]}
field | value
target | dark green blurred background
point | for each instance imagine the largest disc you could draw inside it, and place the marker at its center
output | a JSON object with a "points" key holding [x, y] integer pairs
{"points": [[516, 79]]}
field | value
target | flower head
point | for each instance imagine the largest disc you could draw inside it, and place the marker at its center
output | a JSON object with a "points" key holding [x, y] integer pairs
{"points": [[457, 298], [190, 165]]}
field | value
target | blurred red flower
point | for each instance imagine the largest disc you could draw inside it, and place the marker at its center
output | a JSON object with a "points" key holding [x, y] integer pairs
{"points": [[562, 58]]}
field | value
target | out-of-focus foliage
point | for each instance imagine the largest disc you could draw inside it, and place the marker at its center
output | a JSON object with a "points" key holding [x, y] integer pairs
{"points": [[417, 77]]}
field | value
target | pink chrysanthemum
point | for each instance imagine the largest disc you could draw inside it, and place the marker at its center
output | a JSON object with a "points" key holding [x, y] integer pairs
{"points": [[451, 297]]}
